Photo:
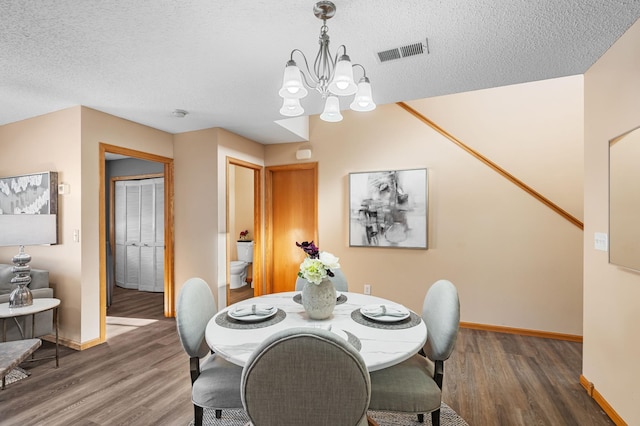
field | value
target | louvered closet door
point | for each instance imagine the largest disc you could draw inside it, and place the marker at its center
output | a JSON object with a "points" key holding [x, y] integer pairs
{"points": [[139, 232], [120, 219], [152, 235]]}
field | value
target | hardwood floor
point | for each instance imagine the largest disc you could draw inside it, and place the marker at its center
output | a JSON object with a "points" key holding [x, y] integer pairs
{"points": [[142, 378], [239, 294], [505, 379]]}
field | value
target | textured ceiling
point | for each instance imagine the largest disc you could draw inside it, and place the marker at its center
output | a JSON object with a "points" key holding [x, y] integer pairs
{"points": [[223, 60]]}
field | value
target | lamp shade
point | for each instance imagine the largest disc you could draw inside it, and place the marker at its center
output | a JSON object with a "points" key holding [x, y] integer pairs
{"points": [[28, 229], [291, 107], [342, 83], [331, 111], [363, 101], [292, 86]]}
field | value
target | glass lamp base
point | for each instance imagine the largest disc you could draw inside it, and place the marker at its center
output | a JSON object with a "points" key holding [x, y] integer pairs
{"points": [[21, 296]]}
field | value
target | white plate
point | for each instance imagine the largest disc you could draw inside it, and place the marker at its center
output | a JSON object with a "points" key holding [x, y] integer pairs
{"points": [[386, 318], [253, 318]]}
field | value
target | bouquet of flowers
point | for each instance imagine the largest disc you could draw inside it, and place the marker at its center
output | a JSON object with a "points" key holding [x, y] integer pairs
{"points": [[317, 265], [244, 234]]}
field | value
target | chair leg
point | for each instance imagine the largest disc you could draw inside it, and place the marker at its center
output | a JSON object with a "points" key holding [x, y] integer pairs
{"points": [[197, 415], [435, 417], [420, 418], [218, 414]]}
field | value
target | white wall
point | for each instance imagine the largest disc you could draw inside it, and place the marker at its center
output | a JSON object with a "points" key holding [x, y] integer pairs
{"points": [[96, 128], [611, 315], [200, 203], [51, 142], [515, 262]]}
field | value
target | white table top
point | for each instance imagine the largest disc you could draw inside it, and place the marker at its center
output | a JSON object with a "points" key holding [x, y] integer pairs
{"points": [[39, 305], [381, 347]]}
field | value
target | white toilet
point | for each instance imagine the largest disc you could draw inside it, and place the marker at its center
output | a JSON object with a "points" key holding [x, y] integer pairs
{"points": [[238, 268]]}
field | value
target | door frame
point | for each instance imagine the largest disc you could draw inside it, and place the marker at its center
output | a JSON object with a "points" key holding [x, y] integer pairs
{"points": [[169, 278], [257, 266]]}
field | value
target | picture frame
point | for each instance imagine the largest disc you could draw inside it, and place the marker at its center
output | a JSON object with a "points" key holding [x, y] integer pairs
{"points": [[389, 209], [35, 193]]}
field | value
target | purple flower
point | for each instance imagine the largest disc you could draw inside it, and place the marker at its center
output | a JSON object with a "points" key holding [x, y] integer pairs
{"points": [[310, 249], [316, 266]]}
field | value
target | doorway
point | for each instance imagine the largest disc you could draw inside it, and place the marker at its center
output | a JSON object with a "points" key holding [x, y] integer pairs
{"points": [[168, 296], [137, 215], [244, 226], [291, 216]]}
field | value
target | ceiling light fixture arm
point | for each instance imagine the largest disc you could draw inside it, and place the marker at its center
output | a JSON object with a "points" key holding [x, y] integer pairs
{"points": [[308, 74], [364, 71]]}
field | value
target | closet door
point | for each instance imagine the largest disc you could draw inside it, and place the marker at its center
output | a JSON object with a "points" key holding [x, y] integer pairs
{"points": [[127, 234], [152, 235], [139, 232], [120, 219]]}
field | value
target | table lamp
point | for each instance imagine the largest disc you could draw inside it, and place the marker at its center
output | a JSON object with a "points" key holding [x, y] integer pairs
{"points": [[22, 230]]}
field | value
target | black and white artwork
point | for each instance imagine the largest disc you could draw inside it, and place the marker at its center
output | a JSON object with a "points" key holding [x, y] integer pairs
{"points": [[388, 209], [29, 194]]}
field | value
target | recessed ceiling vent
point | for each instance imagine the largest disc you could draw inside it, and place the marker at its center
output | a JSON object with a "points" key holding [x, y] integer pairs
{"points": [[404, 51]]}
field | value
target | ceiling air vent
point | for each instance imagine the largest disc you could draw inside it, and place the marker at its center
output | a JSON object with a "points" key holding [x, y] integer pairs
{"points": [[404, 51]]}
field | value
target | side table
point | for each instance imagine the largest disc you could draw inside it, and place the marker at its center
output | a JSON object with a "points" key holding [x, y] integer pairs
{"points": [[39, 305], [13, 353]]}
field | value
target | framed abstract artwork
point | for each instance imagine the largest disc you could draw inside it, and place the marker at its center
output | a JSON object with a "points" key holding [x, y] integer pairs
{"points": [[29, 194], [388, 209]]}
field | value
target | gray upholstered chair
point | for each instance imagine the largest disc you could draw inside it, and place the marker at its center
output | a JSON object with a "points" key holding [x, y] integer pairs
{"points": [[415, 385], [215, 382], [305, 376], [339, 281]]}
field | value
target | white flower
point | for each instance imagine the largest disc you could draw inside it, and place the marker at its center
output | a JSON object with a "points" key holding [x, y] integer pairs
{"points": [[317, 270], [313, 270], [329, 260]]}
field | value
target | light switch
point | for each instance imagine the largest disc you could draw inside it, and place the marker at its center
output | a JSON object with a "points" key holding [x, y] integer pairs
{"points": [[76, 235], [601, 241]]}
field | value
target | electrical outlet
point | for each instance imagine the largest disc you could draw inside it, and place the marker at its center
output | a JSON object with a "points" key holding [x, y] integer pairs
{"points": [[367, 289]]}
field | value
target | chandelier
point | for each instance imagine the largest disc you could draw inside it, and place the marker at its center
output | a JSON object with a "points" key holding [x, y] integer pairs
{"points": [[331, 77]]}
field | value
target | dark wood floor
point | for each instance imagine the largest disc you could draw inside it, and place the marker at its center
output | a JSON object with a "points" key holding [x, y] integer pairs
{"points": [[239, 294], [142, 378]]}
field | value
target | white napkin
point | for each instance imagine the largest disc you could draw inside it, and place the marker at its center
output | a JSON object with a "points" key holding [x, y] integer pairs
{"points": [[383, 310], [255, 309]]}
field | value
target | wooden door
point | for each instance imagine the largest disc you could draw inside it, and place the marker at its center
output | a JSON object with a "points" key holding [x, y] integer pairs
{"points": [[292, 216]]}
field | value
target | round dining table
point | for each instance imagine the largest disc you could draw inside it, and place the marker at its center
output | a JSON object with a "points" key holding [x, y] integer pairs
{"points": [[382, 343]]}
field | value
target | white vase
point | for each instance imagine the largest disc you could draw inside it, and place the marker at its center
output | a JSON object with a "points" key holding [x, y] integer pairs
{"points": [[319, 300]]}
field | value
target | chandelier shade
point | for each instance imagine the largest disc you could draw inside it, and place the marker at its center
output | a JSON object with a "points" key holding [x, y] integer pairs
{"points": [[342, 83], [291, 107], [330, 77], [331, 111], [363, 101], [292, 86]]}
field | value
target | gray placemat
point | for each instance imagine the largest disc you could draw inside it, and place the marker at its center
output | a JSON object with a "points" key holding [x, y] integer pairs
{"points": [[298, 299], [224, 320], [355, 342], [412, 321]]}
